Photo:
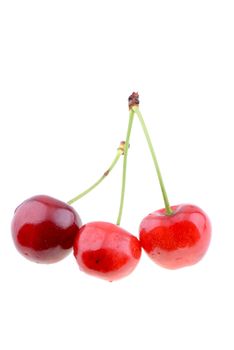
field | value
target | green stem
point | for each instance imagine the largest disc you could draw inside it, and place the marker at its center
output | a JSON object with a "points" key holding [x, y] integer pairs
{"points": [[131, 115], [164, 194], [89, 189]]}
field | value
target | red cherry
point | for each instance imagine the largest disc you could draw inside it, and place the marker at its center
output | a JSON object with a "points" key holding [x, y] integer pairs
{"points": [[107, 251], [44, 228], [176, 240]]}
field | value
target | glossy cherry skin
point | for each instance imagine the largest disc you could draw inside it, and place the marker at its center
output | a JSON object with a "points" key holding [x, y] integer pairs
{"points": [[176, 240], [44, 228], [106, 251]]}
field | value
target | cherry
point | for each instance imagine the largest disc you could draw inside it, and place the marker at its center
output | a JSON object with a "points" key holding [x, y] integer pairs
{"points": [[106, 251], [176, 240], [44, 228], [103, 249], [174, 236]]}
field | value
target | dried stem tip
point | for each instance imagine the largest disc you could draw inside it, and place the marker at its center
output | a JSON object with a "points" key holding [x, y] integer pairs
{"points": [[133, 100], [122, 146]]}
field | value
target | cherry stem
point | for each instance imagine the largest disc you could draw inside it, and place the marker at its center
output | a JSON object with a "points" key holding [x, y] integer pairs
{"points": [[168, 209], [89, 189], [131, 115]]}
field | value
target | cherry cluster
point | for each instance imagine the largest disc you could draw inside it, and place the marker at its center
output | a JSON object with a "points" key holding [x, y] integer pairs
{"points": [[45, 230]]}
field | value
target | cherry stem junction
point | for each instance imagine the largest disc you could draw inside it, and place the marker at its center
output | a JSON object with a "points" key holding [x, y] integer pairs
{"points": [[130, 122], [120, 151], [136, 110]]}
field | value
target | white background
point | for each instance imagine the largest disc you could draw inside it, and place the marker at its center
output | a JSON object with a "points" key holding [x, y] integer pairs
{"points": [[66, 71]]}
